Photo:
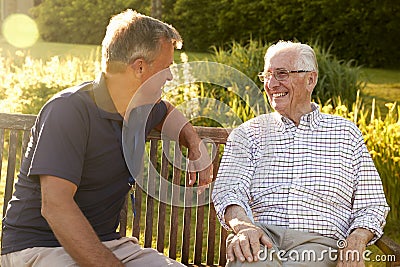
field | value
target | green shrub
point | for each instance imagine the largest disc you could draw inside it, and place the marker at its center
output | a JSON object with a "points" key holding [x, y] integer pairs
{"points": [[364, 30], [336, 78], [28, 83], [82, 21]]}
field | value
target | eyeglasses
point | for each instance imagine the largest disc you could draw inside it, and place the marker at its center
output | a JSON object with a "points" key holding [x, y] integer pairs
{"points": [[279, 74]]}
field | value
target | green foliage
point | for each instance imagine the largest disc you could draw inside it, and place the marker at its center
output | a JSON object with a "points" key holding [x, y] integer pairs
{"points": [[79, 21], [28, 83], [336, 77], [248, 58], [196, 20], [364, 30]]}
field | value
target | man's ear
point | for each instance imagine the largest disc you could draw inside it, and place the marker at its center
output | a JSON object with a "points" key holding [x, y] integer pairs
{"points": [[311, 81], [137, 66]]}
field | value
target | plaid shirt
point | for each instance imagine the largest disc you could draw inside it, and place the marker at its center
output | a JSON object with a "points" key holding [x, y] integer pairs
{"points": [[317, 177]]}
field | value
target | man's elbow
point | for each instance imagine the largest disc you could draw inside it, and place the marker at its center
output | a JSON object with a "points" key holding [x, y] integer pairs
{"points": [[47, 210], [52, 208]]}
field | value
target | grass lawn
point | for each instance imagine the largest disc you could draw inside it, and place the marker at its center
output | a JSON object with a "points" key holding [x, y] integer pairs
{"points": [[46, 50], [383, 85]]}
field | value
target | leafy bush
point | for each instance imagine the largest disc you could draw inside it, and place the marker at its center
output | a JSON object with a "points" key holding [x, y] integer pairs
{"points": [[28, 83], [82, 21], [336, 78], [364, 30]]}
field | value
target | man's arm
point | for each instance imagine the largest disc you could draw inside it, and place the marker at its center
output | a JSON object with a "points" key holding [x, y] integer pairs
{"points": [[70, 226], [178, 128], [246, 243], [356, 241]]}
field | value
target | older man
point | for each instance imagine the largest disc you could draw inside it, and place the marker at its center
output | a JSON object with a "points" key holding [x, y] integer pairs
{"points": [[296, 181]]}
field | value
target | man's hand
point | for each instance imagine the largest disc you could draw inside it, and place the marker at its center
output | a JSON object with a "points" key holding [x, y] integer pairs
{"points": [[178, 128], [199, 161], [352, 254], [246, 244]]}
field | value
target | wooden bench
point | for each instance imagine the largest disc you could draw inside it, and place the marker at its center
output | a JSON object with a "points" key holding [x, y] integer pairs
{"points": [[192, 235]]}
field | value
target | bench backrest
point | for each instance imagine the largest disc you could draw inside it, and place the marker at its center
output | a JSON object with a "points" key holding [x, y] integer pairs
{"points": [[192, 235]]}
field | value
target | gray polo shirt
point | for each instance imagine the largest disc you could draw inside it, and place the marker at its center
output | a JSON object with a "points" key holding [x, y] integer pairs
{"points": [[77, 137]]}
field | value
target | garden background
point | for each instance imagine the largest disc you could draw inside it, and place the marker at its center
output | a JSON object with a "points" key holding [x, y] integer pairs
{"points": [[356, 42]]}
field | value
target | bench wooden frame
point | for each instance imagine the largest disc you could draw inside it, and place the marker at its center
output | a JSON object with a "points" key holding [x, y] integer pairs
{"points": [[208, 249]]}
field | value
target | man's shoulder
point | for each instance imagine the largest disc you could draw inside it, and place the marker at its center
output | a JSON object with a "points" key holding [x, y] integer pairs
{"points": [[71, 97], [257, 126], [336, 123], [335, 120], [75, 92], [259, 121]]}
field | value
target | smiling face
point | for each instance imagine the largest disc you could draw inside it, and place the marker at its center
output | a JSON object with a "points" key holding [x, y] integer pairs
{"points": [[291, 97]]}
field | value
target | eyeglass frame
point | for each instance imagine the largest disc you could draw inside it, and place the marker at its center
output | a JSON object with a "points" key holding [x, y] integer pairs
{"points": [[262, 77]]}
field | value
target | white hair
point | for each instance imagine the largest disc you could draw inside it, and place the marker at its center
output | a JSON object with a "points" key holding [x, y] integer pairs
{"points": [[306, 59]]}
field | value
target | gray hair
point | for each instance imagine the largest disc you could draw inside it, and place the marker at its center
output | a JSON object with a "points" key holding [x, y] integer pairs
{"points": [[131, 35], [306, 59]]}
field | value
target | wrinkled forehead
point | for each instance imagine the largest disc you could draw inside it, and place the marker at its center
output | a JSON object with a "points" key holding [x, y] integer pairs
{"points": [[284, 58]]}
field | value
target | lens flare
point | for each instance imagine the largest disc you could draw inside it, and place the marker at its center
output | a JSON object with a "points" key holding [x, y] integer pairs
{"points": [[20, 30]]}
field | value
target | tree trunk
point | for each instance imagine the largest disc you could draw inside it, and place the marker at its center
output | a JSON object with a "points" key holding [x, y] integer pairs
{"points": [[156, 9]]}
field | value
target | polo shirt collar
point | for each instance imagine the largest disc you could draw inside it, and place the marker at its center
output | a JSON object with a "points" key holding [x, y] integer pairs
{"points": [[103, 100]]}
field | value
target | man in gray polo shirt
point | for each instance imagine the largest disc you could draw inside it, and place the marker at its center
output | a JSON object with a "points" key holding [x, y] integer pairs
{"points": [[74, 178]]}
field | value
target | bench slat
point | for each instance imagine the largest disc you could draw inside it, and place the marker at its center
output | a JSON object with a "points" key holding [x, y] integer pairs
{"points": [[173, 230], [218, 135], [222, 247], [198, 246], [212, 217], [163, 196], [187, 218], [389, 247], [136, 211], [148, 234]]}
